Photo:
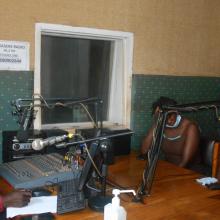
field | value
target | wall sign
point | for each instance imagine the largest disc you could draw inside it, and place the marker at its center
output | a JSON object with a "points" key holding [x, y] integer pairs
{"points": [[14, 55]]}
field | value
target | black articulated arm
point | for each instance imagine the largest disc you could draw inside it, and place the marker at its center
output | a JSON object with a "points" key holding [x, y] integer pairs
{"points": [[153, 153], [152, 158], [24, 109], [191, 107]]}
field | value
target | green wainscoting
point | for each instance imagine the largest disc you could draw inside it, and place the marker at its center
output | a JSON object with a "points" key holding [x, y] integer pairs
{"points": [[14, 85], [146, 89]]}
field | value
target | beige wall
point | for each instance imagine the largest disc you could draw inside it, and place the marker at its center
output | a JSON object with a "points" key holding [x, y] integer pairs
{"points": [[180, 37]]}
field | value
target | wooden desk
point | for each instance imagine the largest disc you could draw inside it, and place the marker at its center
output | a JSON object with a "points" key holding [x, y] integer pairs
{"points": [[175, 194]]}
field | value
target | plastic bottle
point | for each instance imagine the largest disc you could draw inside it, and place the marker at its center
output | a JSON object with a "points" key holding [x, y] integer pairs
{"points": [[113, 211]]}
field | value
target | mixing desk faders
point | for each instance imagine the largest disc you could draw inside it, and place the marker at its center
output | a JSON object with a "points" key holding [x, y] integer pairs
{"points": [[37, 171]]}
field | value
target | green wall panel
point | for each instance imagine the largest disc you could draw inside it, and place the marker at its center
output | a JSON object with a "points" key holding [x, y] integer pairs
{"points": [[14, 85], [146, 89]]}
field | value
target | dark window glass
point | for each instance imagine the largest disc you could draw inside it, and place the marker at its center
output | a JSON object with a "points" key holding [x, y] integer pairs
{"points": [[74, 68]]}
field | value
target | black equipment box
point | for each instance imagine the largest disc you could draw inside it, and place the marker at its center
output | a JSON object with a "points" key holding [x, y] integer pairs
{"points": [[121, 144], [9, 154]]}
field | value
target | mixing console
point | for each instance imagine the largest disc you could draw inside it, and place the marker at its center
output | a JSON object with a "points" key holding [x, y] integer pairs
{"points": [[37, 171]]}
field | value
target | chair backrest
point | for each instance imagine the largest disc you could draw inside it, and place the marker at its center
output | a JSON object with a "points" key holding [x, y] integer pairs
{"points": [[207, 148], [210, 154]]}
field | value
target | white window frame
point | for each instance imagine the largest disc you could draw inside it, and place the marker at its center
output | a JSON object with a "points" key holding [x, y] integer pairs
{"points": [[123, 43]]}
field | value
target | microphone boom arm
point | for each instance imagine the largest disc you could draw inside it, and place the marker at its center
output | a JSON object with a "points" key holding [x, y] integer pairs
{"points": [[25, 109], [153, 153], [100, 138]]}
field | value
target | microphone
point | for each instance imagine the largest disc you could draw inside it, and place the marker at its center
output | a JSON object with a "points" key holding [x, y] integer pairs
{"points": [[39, 144]]}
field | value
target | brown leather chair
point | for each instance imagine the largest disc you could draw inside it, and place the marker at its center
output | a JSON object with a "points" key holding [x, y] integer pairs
{"points": [[216, 159], [210, 154]]}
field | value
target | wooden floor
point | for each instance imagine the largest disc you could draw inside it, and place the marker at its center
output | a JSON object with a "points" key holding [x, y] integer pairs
{"points": [[175, 194]]}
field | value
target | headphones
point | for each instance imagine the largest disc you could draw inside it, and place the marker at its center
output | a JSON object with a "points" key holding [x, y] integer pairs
{"points": [[177, 122]]}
